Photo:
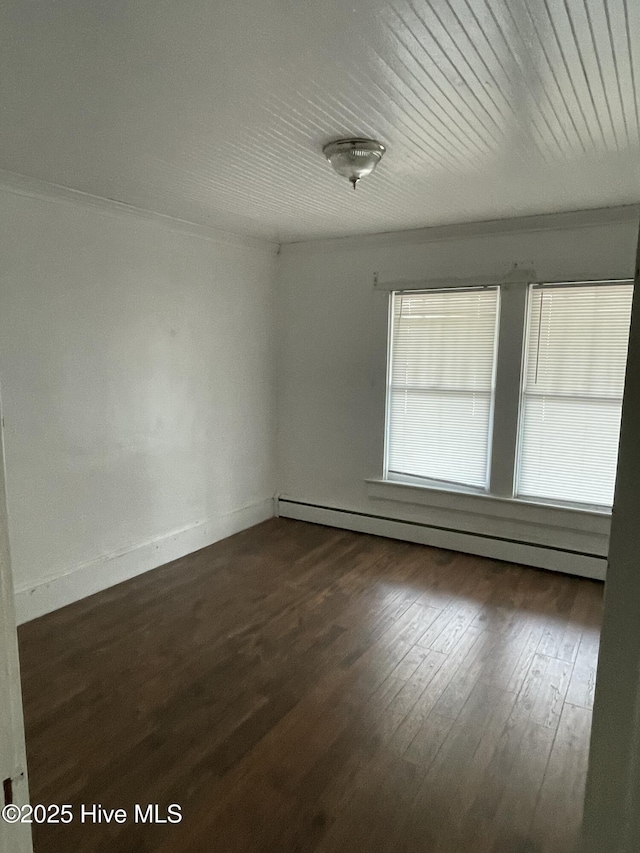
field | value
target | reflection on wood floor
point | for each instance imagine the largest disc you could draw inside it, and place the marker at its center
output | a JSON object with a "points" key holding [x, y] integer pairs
{"points": [[301, 688]]}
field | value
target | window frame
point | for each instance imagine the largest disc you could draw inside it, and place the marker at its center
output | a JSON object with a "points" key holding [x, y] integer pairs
{"points": [[568, 504], [432, 482], [507, 392]]}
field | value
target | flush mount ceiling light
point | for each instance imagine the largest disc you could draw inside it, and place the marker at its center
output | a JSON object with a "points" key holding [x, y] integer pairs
{"points": [[354, 158]]}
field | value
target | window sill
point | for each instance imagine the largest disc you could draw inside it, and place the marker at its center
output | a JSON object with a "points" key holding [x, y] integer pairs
{"points": [[468, 502]]}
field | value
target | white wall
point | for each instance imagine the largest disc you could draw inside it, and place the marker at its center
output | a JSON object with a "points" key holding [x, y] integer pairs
{"points": [[332, 354], [137, 370]]}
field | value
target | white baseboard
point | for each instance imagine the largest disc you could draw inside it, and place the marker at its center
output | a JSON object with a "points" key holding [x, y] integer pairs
{"points": [[569, 562], [111, 569]]}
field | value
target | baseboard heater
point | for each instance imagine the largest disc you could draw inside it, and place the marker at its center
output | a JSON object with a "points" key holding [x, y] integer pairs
{"points": [[513, 551]]}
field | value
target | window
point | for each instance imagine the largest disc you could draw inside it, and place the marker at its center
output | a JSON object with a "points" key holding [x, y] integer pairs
{"points": [[441, 384], [535, 371], [572, 391]]}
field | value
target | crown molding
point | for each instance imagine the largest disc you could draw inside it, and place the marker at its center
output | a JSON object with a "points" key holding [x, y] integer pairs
{"points": [[590, 218], [24, 185], [30, 187]]}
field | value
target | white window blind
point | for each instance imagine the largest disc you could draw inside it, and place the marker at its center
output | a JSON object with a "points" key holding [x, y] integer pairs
{"points": [[572, 391], [441, 381]]}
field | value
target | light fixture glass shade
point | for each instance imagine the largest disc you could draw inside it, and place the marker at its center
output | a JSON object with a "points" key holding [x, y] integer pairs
{"points": [[354, 158]]}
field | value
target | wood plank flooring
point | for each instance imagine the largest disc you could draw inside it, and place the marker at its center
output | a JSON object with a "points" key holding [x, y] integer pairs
{"points": [[300, 688]]}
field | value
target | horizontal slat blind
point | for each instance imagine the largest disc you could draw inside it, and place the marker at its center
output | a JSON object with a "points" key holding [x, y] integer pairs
{"points": [[572, 391], [441, 384]]}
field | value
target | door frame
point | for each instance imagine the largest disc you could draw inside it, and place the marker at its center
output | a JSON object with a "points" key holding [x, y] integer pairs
{"points": [[13, 762], [612, 800]]}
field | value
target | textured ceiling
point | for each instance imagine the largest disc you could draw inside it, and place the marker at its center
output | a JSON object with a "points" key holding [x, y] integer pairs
{"points": [[215, 111]]}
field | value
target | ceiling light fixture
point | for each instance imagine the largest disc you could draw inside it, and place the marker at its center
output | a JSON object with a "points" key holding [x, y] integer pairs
{"points": [[354, 158]]}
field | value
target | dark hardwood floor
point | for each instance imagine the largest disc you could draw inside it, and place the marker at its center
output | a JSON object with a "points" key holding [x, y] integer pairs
{"points": [[300, 688]]}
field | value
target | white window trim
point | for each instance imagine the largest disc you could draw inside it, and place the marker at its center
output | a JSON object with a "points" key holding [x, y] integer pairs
{"points": [[442, 484], [525, 345], [577, 517], [505, 425]]}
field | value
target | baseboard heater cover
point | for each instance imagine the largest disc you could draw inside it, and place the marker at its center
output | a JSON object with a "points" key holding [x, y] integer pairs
{"points": [[525, 553]]}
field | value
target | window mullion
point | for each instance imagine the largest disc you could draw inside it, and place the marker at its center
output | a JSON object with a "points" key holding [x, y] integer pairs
{"points": [[504, 434]]}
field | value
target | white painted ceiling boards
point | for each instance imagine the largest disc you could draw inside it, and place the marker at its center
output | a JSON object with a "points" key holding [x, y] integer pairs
{"points": [[215, 111]]}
